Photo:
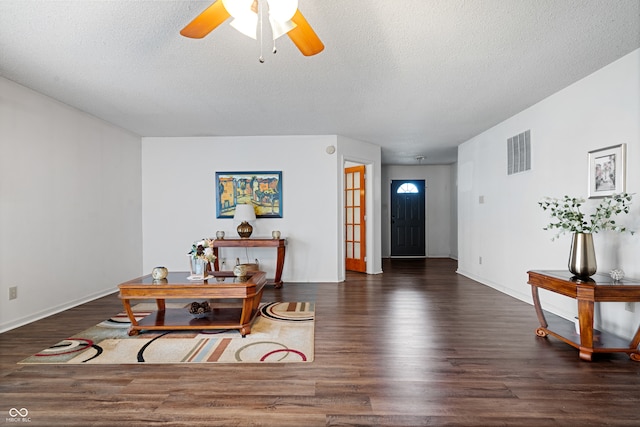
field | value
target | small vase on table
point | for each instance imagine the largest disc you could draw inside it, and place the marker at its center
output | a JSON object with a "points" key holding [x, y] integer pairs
{"points": [[198, 268]]}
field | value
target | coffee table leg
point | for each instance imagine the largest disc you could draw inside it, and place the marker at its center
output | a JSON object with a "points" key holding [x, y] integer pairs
{"points": [[245, 316], [132, 319], [245, 330]]}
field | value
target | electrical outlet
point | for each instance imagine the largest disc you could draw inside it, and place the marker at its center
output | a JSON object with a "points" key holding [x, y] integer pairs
{"points": [[479, 260], [13, 292], [629, 306]]}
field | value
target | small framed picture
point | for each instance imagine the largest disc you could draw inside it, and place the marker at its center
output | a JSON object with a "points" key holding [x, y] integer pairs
{"points": [[607, 171]]}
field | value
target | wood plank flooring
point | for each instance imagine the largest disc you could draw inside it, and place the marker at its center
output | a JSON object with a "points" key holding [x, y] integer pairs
{"points": [[418, 345]]}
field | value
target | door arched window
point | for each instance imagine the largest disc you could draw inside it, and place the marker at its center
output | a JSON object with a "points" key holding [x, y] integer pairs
{"points": [[407, 187]]}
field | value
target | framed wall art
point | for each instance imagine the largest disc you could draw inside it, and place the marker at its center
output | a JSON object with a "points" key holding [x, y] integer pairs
{"points": [[263, 190], [607, 171]]}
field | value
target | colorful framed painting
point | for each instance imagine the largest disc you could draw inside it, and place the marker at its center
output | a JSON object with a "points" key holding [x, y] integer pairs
{"points": [[263, 190], [607, 171]]}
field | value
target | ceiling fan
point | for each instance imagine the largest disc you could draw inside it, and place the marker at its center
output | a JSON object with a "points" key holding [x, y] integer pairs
{"points": [[284, 16]]}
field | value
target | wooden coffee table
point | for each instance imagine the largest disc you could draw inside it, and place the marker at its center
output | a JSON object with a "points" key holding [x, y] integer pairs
{"points": [[221, 285]]}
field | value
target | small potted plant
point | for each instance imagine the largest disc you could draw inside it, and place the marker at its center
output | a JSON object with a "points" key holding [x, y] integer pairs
{"points": [[567, 217]]}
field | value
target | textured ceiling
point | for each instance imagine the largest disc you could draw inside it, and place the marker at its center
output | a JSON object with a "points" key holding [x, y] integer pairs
{"points": [[417, 77]]}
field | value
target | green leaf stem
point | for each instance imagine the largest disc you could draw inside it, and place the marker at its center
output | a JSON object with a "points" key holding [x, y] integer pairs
{"points": [[567, 216]]}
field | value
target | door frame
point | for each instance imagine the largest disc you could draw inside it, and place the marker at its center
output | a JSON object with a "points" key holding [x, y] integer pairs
{"points": [[370, 209], [389, 209], [423, 193], [357, 264]]}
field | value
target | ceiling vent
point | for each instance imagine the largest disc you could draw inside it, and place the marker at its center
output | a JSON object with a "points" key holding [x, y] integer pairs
{"points": [[519, 153]]}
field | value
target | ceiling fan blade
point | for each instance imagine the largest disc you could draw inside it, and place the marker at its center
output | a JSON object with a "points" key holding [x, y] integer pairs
{"points": [[304, 37], [207, 21]]}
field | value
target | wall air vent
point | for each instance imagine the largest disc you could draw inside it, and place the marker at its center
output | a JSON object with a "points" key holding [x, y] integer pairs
{"points": [[519, 153]]}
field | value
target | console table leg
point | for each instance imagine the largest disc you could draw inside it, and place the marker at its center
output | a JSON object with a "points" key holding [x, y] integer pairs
{"points": [[585, 317], [538, 307], [585, 354], [216, 265], [279, 265], [635, 342]]}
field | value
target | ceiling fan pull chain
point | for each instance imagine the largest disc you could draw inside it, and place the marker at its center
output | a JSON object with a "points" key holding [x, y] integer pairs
{"points": [[260, 6]]}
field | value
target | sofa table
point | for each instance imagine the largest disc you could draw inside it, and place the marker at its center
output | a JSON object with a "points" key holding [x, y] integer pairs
{"points": [[279, 244], [221, 285], [599, 288]]}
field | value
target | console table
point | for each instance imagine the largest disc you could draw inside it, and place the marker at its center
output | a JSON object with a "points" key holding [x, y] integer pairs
{"points": [[599, 288], [279, 244]]}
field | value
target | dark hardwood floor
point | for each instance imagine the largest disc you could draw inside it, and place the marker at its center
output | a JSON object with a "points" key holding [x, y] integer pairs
{"points": [[417, 345]]}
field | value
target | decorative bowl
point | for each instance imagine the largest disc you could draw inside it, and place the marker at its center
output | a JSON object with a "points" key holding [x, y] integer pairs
{"points": [[200, 315], [159, 273], [199, 310], [241, 270]]}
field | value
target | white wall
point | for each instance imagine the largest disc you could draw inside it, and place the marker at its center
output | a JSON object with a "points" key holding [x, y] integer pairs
{"points": [[439, 217], [70, 191], [179, 200], [598, 111]]}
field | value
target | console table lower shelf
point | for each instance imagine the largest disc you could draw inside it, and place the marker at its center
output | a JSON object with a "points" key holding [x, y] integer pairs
{"points": [[603, 342]]}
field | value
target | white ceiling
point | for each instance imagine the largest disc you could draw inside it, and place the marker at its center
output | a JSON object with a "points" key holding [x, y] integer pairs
{"points": [[417, 77]]}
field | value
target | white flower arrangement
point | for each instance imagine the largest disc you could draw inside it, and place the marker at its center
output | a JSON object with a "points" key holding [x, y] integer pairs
{"points": [[570, 219], [203, 249]]}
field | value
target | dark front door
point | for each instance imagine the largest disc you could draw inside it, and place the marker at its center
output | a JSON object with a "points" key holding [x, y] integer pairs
{"points": [[407, 218]]}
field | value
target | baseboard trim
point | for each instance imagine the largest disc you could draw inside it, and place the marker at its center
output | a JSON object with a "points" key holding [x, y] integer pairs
{"points": [[16, 323], [550, 307]]}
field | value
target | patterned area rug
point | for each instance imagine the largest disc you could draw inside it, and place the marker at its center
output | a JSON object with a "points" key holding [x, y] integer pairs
{"points": [[282, 333]]}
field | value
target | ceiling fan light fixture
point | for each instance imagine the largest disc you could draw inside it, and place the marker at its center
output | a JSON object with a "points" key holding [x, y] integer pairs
{"points": [[284, 18], [238, 8], [280, 14], [247, 25], [246, 15], [282, 10], [280, 28]]}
